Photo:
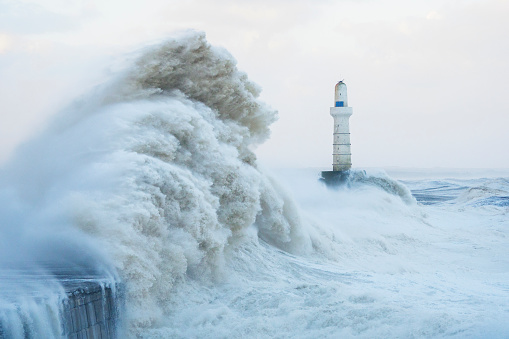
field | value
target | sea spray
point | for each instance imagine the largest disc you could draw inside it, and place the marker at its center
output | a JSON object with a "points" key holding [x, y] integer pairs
{"points": [[156, 167], [380, 180]]}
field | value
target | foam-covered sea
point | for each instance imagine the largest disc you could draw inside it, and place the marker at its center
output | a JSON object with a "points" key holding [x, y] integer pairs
{"points": [[152, 181], [434, 267]]}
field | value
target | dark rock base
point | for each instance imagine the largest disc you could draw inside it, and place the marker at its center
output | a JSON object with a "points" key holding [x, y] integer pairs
{"points": [[334, 179]]}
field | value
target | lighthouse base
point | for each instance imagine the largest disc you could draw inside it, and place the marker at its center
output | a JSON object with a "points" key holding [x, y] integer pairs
{"points": [[334, 178]]}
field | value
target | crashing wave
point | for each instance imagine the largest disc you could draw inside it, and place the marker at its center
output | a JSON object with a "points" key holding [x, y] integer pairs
{"points": [[380, 180], [157, 167]]}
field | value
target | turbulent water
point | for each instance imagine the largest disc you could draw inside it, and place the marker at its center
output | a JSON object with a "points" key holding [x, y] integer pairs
{"points": [[151, 180]]}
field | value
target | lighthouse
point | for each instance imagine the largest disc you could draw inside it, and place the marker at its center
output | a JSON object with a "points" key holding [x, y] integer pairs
{"points": [[341, 152]]}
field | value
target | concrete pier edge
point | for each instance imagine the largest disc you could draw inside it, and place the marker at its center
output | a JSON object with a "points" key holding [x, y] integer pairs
{"points": [[92, 311]]}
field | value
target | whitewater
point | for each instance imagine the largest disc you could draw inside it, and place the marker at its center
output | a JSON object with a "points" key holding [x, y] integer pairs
{"points": [[151, 181]]}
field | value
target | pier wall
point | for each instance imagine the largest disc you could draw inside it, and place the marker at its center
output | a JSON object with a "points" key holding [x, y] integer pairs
{"points": [[92, 312], [88, 310]]}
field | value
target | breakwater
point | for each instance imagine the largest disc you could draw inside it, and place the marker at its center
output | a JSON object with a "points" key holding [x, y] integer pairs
{"points": [[92, 311], [86, 310]]}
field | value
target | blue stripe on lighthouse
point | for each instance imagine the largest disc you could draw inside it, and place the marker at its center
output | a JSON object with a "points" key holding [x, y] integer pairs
{"points": [[340, 104]]}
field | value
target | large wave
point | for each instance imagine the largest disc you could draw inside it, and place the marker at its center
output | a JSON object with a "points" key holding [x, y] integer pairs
{"points": [[156, 169]]}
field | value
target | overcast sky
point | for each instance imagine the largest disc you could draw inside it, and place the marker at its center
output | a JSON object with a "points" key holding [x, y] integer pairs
{"points": [[426, 78]]}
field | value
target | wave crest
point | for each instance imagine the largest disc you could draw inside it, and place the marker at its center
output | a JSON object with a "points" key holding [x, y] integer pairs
{"points": [[156, 166]]}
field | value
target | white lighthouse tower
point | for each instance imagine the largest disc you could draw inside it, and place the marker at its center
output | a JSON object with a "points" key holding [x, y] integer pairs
{"points": [[341, 153]]}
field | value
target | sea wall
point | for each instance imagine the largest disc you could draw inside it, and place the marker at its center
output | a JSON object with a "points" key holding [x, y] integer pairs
{"points": [[92, 311], [89, 309]]}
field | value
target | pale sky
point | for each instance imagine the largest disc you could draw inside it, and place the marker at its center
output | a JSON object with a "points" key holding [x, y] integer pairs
{"points": [[426, 78]]}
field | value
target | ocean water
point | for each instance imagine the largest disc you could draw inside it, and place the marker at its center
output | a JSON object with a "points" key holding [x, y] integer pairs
{"points": [[151, 180]]}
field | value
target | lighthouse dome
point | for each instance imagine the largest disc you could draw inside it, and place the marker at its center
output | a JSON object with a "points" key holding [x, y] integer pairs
{"points": [[340, 97]]}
